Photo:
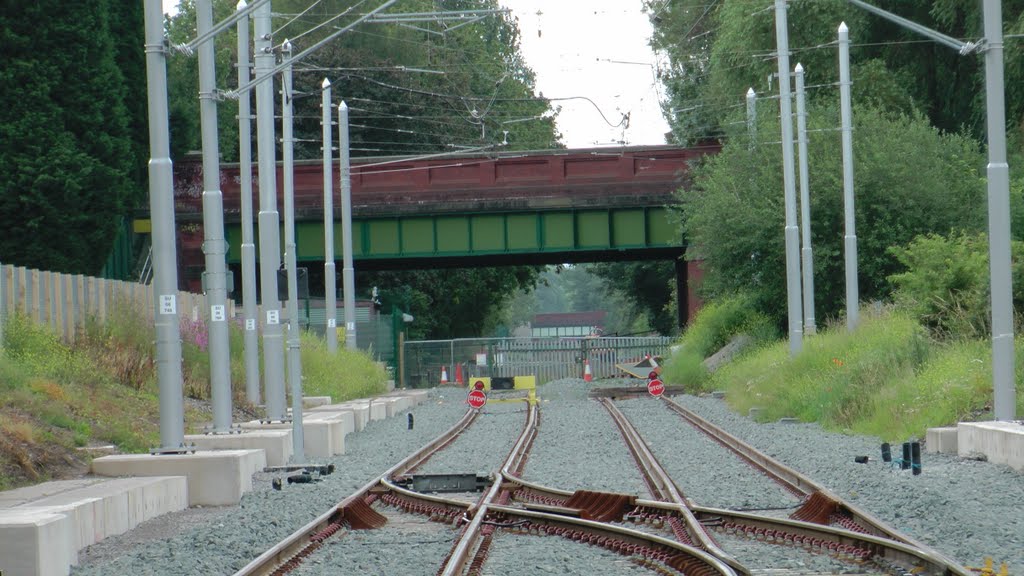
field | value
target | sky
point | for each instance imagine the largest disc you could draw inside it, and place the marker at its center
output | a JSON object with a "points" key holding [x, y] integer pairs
{"points": [[594, 49]]}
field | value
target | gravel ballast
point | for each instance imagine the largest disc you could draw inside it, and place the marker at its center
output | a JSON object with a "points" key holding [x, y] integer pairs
{"points": [[966, 509]]}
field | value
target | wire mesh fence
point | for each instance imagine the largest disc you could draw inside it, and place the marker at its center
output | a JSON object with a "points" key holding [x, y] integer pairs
{"points": [[427, 362]]}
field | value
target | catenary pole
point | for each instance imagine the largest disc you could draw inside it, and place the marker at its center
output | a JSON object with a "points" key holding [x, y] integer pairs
{"points": [[348, 272], [1003, 374], [249, 309], [269, 221], [807, 256], [214, 243], [294, 354], [1003, 370], [791, 231], [161, 207], [330, 289], [751, 116], [849, 212]]}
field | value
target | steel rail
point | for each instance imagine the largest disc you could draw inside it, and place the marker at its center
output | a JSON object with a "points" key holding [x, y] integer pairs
{"points": [[626, 535], [804, 486], [467, 546], [664, 488], [295, 544]]}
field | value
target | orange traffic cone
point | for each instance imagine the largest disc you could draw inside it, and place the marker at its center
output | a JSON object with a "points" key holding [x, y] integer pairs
{"points": [[458, 375], [587, 375], [444, 374]]}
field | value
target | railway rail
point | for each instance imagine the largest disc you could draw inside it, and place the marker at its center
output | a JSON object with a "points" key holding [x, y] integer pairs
{"points": [[685, 539]]}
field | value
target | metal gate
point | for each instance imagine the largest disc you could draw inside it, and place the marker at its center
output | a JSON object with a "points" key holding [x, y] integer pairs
{"points": [[546, 358]]}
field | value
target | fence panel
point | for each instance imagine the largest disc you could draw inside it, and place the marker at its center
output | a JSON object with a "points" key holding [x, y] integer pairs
{"points": [[546, 358], [63, 302]]}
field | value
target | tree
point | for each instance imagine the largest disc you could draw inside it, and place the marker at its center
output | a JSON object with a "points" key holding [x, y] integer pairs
{"points": [[647, 287], [718, 50], [911, 180], [67, 152]]}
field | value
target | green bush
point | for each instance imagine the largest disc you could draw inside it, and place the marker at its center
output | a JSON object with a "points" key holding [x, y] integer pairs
{"points": [[946, 283], [714, 325], [344, 375], [835, 376]]}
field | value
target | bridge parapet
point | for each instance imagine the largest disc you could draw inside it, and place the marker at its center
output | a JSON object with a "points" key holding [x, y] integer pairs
{"points": [[640, 176]]}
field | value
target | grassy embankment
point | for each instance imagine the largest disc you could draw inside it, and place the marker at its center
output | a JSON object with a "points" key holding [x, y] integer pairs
{"points": [[889, 378], [56, 398]]}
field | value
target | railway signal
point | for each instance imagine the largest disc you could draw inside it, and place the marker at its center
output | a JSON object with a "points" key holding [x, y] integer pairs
{"points": [[656, 387], [477, 399]]}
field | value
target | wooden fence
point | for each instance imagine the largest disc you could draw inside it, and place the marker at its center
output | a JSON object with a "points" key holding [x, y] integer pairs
{"points": [[64, 301]]}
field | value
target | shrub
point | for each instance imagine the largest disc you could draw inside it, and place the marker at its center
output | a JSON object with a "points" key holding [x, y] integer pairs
{"points": [[343, 375], [834, 377], [946, 283], [714, 325]]}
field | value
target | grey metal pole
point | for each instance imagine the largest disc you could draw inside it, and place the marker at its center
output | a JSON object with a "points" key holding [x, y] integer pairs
{"points": [[792, 232], [850, 237], [330, 290], [348, 272], [294, 354], [249, 309], [807, 257], [269, 221], [1003, 377], [214, 243], [752, 116], [161, 207], [3, 304]]}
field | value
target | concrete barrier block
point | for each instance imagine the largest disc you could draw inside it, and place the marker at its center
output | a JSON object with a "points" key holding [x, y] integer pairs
{"points": [[941, 440], [1000, 442], [276, 443], [314, 401], [36, 543], [360, 413], [215, 478]]}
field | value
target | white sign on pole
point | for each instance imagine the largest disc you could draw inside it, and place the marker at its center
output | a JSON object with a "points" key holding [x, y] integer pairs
{"points": [[250, 323], [217, 313], [332, 323], [168, 304], [273, 317], [350, 326]]}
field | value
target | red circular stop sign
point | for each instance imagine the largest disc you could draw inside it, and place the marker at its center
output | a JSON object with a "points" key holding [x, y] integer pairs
{"points": [[477, 399], [655, 387]]}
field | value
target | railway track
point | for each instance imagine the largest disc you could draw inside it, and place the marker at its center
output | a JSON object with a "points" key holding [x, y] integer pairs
{"points": [[479, 521]]}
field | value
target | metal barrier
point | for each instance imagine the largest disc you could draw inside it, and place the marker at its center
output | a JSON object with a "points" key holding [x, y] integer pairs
{"points": [[546, 358]]}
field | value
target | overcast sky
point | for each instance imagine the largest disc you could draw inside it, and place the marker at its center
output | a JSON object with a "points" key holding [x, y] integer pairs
{"points": [[595, 49]]}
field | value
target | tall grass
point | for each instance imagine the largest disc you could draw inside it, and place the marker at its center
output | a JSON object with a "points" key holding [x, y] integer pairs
{"points": [[713, 327], [835, 378], [887, 379], [342, 376]]}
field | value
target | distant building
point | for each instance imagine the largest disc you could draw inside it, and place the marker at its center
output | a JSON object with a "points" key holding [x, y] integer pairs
{"points": [[571, 324]]}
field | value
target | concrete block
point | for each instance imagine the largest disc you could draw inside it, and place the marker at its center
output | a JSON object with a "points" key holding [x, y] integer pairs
{"points": [[378, 409], [336, 424], [314, 401], [347, 416], [417, 396], [36, 543], [215, 478], [1000, 442], [321, 438], [277, 444], [360, 413], [942, 440], [19, 496]]}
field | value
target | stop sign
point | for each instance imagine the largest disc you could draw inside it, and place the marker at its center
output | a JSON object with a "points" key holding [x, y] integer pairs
{"points": [[477, 399], [655, 387]]}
